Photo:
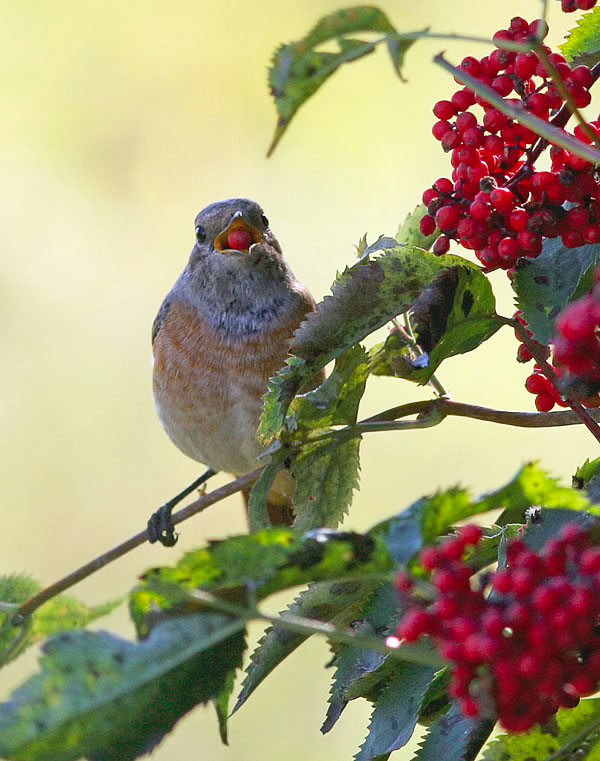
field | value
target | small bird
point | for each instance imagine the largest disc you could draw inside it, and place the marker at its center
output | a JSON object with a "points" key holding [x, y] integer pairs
{"points": [[222, 331]]}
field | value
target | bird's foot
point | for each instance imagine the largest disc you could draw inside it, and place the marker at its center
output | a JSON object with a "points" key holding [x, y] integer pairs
{"points": [[160, 527]]}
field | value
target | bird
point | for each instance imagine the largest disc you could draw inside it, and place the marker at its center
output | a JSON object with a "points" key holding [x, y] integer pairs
{"points": [[221, 332]]}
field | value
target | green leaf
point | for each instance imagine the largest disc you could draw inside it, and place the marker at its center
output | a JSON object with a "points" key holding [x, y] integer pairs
{"points": [[532, 486], [583, 41], [409, 231], [545, 285], [103, 697], [381, 244], [453, 737], [587, 477], [326, 474], [364, 297], [392, 357], [396, 711], [58, 614], [300, 68], [258, 514], [454, 315], [435, 702], [572, 734], [360, 671], [250, 567], [337, 602], [428, 517], [548, 524], [336, 400], [221, 704]]}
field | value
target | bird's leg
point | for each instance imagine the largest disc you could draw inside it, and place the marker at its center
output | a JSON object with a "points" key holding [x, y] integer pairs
{"points": [[160, 525]]}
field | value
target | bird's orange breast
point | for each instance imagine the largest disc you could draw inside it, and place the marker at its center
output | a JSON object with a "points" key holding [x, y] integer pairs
{"points": [[208, 386]]}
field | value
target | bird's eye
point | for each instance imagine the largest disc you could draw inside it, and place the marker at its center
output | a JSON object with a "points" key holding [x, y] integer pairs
{"points": [[200, 234], [264, 220]]}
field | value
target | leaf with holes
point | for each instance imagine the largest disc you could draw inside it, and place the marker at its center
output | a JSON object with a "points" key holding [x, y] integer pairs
{"points": [[300, 68], [583, 41], [454, 315], [545, 285]]}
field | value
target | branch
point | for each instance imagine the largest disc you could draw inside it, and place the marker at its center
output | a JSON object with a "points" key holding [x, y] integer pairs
{"points": [[28, 607], [449, 408]]}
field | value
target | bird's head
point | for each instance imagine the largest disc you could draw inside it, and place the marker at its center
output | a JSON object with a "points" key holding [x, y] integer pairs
{"points": [[233, 234]]}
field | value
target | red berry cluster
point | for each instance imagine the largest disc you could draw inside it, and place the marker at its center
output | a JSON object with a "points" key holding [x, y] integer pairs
{"points": [[530, 646], [546, 395], [569, 6], [497, 203]]}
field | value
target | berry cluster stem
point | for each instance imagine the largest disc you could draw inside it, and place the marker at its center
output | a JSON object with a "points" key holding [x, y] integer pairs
{"points": [[539, 357]]}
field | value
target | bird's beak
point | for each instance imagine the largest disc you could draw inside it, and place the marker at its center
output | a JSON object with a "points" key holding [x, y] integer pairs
{"points": [[243, 245]]}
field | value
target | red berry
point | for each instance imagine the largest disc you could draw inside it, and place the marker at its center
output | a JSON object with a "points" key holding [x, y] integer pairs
{"points": [[240, 239], [427, 225], [444, 109], [447, 217], [544, 402], [502, 198], [441, 245]]}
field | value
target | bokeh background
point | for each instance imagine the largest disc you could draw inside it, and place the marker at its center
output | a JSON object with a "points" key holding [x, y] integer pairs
{"points": [[120, 120]]}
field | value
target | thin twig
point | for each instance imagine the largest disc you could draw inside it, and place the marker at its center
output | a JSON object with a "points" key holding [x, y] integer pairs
{"points": [[86, 570]]}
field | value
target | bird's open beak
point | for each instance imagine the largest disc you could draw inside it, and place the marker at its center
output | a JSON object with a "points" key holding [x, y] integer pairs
{"points": [[238, 243]]}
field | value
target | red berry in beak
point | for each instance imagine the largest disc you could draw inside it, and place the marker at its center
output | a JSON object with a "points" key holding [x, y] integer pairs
{"points": [[240, 239]]}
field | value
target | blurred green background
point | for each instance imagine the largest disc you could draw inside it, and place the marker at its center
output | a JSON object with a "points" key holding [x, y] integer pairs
{"points": [[120, 121]]}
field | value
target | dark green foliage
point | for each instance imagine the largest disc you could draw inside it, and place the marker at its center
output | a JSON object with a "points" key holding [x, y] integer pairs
{"points": [[396, 712], [109, 699], [338, 602], [300, 68], [546, 284], [326, 473], [453, 737]]}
